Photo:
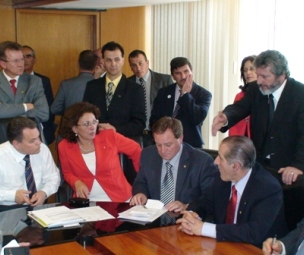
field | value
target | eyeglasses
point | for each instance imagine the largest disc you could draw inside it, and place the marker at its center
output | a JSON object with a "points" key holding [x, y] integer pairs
{"points": [[252, 69], [28, 56], [88, 123], [15, 61]]}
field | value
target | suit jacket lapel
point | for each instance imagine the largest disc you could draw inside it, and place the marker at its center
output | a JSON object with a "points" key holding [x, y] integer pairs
{"points": [[182, 171], [119, 92], [5, 87], [22, 88], [170, 99]]}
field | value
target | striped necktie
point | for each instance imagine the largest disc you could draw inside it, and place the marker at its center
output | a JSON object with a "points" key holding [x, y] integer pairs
{"points": [[167, 188], [29, 177], [143, 84], [177, 106], [109, 93]]}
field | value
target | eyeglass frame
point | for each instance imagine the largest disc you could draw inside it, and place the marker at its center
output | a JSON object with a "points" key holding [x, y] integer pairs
{"points": [[15, 61], [89, 123], [28, 56]]}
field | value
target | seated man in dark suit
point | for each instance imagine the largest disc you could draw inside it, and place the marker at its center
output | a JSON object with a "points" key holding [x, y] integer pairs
{"points": [[292, 243], [245, 200], [191, 170]]}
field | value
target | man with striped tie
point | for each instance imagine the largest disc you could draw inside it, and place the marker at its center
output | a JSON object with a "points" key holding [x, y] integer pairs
{"points": [[172, 171], [28, 174]]}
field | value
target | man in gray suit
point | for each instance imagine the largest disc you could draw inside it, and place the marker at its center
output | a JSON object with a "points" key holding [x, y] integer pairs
{"points": [[151, 81], [21, 94], [71, 90], [193, 170]]}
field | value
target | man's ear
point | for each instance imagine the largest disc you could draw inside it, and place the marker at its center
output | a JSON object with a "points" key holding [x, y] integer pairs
{"points": [[16, 144], [236, 166]]}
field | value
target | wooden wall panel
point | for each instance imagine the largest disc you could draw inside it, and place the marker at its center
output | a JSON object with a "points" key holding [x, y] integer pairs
{"points": [[57, 37], [7, 23], [127, 26]]}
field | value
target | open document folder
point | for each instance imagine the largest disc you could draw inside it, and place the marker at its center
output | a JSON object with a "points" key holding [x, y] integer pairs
{"points": [[144, 213], [61, 216]]}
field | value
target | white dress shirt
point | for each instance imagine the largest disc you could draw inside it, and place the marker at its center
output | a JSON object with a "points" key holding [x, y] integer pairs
{"points": [[12, 172]]}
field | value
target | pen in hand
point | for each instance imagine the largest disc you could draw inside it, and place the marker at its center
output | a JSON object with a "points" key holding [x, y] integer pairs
{"points": [[273, 242]]}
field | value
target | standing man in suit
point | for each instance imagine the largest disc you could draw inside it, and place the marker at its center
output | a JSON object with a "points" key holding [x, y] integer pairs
{"points": [[193, 170], [21, 94], [151, 82], [71, 90], [121, 101], [29, 61], [292, 243], [184, 100], [275, 103], [245, 200]]}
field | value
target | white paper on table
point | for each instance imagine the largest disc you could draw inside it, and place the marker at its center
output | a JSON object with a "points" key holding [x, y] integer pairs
{"points": [[154, 204], [141, 213]]}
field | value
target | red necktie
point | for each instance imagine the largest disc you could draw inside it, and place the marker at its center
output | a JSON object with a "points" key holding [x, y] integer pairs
{"points": [[13, 86], [231, 206]]}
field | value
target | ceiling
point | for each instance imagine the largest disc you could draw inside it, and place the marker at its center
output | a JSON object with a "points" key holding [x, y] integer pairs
{"points": [[99, 4]]}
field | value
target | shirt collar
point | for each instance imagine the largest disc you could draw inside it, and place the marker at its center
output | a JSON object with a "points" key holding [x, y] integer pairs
{"points": [[277, 94], [241, 184], [16, 154], [146, 77], [9, 78], [116, 81], [175, 160]]}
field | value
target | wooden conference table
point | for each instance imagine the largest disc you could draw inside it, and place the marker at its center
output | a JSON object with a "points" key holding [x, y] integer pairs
{"points": [[163, 240]]}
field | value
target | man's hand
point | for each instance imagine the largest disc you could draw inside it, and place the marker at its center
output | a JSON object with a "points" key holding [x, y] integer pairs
{"points": [[176, 206], [190, 223], [81, 189], [21, 196], [139, 199], [187, 87], [30, 106], [269, 249], [103, 126], [38, 198], [289, 174], [218, 122]]}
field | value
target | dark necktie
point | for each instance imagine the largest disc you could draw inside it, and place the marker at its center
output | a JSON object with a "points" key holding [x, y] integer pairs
{"points": [[175, 112], [167, 188], [13, 86], [231, 206], [29, 177], [109, 93], [271, 109], [142, 83]]}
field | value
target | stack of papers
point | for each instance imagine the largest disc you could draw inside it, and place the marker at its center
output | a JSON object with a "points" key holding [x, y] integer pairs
{"points": [[61, 216], [144, 213]]}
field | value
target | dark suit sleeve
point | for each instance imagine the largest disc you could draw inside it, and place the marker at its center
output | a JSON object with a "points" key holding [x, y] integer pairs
{"points": [[293, 239], [156, 112], [240, 109], [58, 105], [137, 121], [196, 104]]}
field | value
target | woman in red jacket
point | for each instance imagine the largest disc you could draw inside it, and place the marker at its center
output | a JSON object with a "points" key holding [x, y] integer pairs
{"points": [[89, 157], [247, 75]]}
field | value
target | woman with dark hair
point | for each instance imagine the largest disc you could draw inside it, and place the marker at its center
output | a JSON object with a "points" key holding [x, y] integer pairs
{"points": [[89, 157], [247, 75]]}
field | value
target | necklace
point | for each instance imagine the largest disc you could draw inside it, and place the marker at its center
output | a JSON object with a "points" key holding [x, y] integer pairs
{"points": [[84, 150]]}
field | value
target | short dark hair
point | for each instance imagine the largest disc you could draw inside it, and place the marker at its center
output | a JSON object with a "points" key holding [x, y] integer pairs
{"points": [[111, 46], [16, 126], [136, 53], [31, 49], [164, 123], [87, 60], [8, 45], [241, 149], [275, 60], [71, 117], [179, 62], [251, 59]]}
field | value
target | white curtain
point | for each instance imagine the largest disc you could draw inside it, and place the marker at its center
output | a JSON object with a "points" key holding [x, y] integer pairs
{"points": [[206, 32]]}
